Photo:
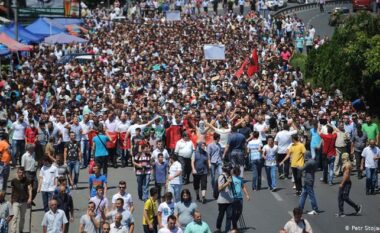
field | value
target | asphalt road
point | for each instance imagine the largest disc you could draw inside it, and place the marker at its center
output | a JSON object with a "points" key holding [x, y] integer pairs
{"points": [[266, 212]]}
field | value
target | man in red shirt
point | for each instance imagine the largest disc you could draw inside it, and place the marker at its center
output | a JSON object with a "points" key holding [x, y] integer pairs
{"points": [[328, 153], [31, 133]]}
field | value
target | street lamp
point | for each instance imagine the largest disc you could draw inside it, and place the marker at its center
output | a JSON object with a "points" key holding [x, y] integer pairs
{"points": [[15, 7]]}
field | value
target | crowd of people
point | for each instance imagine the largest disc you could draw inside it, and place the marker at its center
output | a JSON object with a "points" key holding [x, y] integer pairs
{"points": [[149, 100]]}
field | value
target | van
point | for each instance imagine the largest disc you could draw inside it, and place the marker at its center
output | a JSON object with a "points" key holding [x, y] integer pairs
{"points": [[362, 5]]}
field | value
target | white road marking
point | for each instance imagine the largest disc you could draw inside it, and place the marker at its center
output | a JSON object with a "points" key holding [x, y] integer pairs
{"points": [[277, 196]]}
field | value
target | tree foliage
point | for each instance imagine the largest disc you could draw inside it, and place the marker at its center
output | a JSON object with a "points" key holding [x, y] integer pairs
{"points": [[351, 60]]}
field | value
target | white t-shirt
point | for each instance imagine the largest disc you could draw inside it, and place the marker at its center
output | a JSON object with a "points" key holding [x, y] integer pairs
{"points": [[86, 127], [63, 130], [48, 175], [132, 129], [284, 139], [166, 210], [270, 153], [254, 146], [369, 154], [174, 168], [184, 148], [223, 136], [164, 153], [123, 127], [259, 127], [19, 130], [127, 200]]}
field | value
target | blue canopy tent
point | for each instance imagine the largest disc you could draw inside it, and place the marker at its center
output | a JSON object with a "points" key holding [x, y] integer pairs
{"points": [[4, 50], [24, 33], [68, 21], [45, 27], [12, 35]]}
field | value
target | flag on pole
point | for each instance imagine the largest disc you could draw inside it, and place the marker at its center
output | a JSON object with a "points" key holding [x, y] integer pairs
{"points": [[253, 65]]}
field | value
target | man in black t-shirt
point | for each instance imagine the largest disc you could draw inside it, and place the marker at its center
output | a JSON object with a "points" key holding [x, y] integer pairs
{"points": [[21, 197], [72, 156]]}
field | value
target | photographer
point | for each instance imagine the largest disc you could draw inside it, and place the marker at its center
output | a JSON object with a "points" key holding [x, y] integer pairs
{"points": [[225, 198]]}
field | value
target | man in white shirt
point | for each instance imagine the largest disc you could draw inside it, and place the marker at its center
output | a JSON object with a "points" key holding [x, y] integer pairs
{"points": [[185, 149], [283, 140], [160, 149], [117, 227], [165, 209], [47, 182], [54, 220], [297, 223], [128, 203], [63, 128], [171, 227], [18, 139], [262, 128], [370, 154], [86, 126]]}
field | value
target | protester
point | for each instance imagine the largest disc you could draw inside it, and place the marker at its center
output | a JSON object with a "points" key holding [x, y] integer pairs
{"points": [[47, 182], [255, 147], [142, 163], [160, 173], [72, 157], [100, 150], [55, 219], [371, 155], [97, 180], [150, 221], [127, 197], [89, 222], [120, 216], [171, 226], [21, 197], [185, 150], [184, 209], [197, 225], [345, 188], [297, 223], [5, 160], [329, 153], [225, 198], [65, 203], [270, 158], [200, 164], [6, 213], [238, 188], [175, 178], [101, 201], [165, 210]]}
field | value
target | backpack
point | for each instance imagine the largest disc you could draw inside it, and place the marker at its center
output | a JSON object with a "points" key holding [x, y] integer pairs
{"points": [[216, 187]]}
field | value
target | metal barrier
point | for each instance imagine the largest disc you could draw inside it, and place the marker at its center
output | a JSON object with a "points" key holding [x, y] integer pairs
{"points": [[294, 9]]}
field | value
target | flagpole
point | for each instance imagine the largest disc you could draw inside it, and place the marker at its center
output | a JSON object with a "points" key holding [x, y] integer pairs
{"points": [[16, 19]]}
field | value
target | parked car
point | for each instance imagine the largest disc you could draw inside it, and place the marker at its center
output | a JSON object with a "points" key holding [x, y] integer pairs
{"points": [[274, 5], [79, 58], [362, 5]]}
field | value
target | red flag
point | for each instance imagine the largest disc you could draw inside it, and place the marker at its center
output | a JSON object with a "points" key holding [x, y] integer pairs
{"points": [[253, 66], [241, 70]]}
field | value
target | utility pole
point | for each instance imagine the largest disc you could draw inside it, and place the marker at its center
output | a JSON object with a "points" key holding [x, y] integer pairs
{"points": [[15, 6]]}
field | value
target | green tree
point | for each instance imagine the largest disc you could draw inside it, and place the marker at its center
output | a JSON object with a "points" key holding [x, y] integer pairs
{"points": [[351, 60]]}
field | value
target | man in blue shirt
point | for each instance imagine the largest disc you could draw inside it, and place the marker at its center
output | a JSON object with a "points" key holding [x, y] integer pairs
{"points": [[100, 150], [96, 180], [235, 147]]}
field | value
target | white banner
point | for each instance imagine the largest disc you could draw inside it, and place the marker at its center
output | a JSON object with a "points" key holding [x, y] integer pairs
{"points": [[214, 52], [173, 16]]}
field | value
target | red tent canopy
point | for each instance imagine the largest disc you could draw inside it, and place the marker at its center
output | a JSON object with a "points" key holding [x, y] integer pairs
{"points": [[12, 44]]}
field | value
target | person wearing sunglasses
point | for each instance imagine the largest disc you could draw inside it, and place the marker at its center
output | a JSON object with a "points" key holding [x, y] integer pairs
{"points": [[127, 197]]}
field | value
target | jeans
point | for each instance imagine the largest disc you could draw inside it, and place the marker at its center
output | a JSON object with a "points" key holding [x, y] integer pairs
{"points": [[103, 162], [143, 186], [176, 189], [3, 225], [344, 196], [18, 149], [283, 169], [371, 175], [271, 176], [216, 171], [308, 190], [358, 160], [224, 208], [257, 165], [18, 220], [147, 230], [316, 155], [85, 149], [5, 175], [328, 169], [46, 197], [73, 166]]}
